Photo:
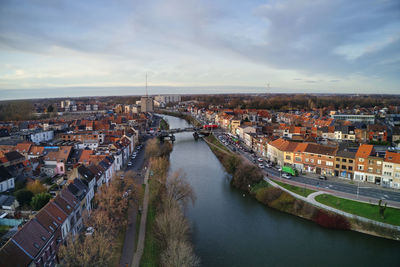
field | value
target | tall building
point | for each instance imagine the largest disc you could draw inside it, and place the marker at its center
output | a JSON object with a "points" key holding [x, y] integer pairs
{"points": [[146, 104]]}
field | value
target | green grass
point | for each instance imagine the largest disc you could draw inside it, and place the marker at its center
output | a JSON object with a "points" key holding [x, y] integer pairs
{"points": [[296, 189], [214, 141], [4, 229], [164, 125], [256, 187], [151, 249], [119, 244], [370, 211]]}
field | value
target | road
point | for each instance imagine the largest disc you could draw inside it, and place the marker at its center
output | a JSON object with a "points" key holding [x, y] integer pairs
{"points": [[364, 189], [138, 163]]}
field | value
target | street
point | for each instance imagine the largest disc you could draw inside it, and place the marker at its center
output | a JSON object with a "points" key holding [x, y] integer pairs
{"points": [[364, 189]]}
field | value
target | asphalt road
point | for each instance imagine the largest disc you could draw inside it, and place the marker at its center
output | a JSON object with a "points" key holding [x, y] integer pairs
{"points": [[364, 189]]}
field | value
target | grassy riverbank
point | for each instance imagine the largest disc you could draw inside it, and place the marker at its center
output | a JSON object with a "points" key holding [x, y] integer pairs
{"points": [[302, 191], [187, 118], [370, 211]]}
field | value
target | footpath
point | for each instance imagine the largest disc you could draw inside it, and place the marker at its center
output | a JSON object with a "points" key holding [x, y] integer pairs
{"points": [[311, 200], [142, 230]]}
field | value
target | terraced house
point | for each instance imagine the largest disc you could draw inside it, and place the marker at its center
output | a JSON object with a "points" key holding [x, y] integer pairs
{"points": [[391, 170], [369, 165]]}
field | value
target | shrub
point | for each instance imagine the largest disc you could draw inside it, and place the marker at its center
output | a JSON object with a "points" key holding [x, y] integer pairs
{"points": [[24, 197], [331, 220], [39, 200], [246, 175], [36, 187]]}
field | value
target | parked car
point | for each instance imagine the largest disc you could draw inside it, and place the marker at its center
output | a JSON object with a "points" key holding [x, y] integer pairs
{"points": [[322, 177], [89, 231], [261, 166], [287, 176], [129, 163], [260, 159]]}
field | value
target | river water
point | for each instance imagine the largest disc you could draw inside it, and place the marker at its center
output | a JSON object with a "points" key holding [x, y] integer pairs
{"points": [[230, 229]]}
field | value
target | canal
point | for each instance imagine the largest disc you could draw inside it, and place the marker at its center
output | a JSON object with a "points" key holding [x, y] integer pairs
{"points": [[230, 229]]}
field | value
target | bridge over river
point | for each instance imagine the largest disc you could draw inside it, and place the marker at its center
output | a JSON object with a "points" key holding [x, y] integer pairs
{"points": [[170, 134]]}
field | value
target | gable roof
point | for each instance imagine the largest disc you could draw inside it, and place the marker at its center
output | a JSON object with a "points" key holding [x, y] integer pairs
{"points": [[364, 151], [12, 255], [32, 237], [392, 157], [14, 155], [23, 147]]}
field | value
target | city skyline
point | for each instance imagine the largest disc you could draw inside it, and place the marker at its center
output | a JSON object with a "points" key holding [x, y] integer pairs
{"points": [[295, 46]]}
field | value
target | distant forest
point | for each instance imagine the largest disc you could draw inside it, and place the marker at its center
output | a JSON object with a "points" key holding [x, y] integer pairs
{"points": [[16, 110], [296, 101]]}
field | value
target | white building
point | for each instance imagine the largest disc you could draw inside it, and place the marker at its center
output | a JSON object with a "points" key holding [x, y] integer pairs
{"points": [[42, 136]]}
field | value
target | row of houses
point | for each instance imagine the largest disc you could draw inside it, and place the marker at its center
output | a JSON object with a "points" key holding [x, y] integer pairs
{"points": [[296, 140], [364, 164], [37, 242]]}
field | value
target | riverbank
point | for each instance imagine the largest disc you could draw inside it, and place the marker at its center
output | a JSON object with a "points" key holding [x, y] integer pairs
{"points": [[280, 200], [167, 230], [187, 118]]}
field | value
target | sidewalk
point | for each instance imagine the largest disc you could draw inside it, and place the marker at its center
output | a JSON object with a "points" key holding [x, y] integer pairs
{"points": [[311, 200], [142, 231]]}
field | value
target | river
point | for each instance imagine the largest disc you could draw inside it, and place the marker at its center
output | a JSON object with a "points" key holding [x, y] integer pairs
{"points": [[230, 229]]}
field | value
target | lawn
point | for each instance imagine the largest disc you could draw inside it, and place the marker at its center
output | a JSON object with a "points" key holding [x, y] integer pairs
{"points": [[214, 141], [296, 189], [370, 211], [256, 187], [151, 249]]}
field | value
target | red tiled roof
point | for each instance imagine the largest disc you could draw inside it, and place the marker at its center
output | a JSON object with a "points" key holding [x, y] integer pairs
{"points": [[364, 151], [392, 157]]}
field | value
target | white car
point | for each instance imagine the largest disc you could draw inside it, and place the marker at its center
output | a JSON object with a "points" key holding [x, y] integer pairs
{"points": [[287, 176], [89, 231], [261, 166], [260, 160]]}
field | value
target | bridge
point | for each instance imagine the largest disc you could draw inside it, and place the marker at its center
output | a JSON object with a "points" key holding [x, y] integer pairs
{"points": [[169, 134]]}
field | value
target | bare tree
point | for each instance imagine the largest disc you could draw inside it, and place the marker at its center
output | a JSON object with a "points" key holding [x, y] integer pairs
{"points": [[179, 253], [85, 251], [179, 188]]}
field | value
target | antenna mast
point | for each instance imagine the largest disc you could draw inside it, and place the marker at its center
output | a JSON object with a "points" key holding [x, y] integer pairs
{"points": [[146, 86]]}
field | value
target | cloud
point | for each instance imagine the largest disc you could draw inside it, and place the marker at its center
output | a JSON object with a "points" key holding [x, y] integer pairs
{"points": [[288, 43]]}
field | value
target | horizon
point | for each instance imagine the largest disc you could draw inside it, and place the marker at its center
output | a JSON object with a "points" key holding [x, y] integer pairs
{"points": [[20, 94]]}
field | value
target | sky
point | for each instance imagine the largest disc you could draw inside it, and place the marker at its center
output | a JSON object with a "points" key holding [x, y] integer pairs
{"points": [[98, 47]]}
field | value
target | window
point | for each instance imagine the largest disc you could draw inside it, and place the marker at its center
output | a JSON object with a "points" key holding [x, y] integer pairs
{"points": [[337, 166], [350, 168], [312, 160], [344, 160], [379, 162], [337, 159], [343, 167], [360, 159], [360, 167], [329, 163], [307, 159], [319, 161], [370, 169], [298, 159], [350, 161]]}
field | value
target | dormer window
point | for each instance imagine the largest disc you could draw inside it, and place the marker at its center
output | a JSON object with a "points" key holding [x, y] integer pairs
{"points": [[43, 238], [36, 245], [59, 218]]}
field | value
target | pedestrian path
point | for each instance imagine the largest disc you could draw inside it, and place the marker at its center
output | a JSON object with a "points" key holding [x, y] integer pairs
{"points": [[142, 230], [311, 200]]}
